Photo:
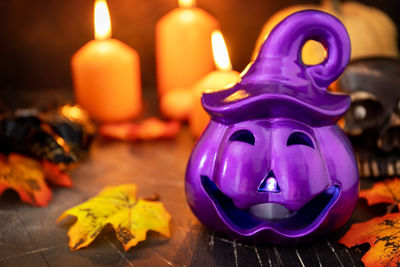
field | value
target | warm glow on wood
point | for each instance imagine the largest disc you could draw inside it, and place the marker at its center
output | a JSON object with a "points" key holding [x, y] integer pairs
{"points": [[220, 52], [102, 22], [187, 3]]}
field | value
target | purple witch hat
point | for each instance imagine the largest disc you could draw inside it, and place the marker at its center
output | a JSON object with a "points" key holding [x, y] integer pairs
{"points": [[279, 85]]}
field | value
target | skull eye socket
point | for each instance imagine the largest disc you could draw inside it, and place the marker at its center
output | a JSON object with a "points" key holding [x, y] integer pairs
{"points": [[363, 114], [243, 136], [299, 138]]}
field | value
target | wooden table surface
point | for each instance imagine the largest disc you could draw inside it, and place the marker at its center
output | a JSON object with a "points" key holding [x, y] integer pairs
{"points": [[30, 236]]}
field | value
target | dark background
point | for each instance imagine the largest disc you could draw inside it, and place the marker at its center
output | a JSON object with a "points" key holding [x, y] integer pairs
{"points": [[38, 37]]}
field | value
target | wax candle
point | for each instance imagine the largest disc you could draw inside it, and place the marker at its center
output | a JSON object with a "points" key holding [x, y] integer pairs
{"points": [[177, 104], [216, 80], [106, 74], [183, 50]]}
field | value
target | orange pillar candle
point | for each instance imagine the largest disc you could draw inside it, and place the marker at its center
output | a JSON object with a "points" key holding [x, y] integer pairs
{"points": [[183, 50], [219, 79], [106, 74]]}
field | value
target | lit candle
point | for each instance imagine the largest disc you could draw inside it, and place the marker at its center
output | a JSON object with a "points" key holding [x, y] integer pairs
{"points": [[177, 104], [106, 74], [217, 80], [183, 50]]}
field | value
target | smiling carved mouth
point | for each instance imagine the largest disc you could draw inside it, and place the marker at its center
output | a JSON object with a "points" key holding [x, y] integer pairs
{"points": [[308, 217]]}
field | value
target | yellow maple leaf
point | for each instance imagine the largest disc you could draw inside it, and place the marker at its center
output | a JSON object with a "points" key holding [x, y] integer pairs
{"points": [[118, 206]]}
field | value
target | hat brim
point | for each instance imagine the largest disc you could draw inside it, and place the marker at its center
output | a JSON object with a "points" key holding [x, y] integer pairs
{"points": [[273, 101]]}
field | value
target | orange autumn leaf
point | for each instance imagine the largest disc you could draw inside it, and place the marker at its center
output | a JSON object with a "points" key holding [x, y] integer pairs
{"points": [[149, 129], [26, 177], [118, 206], [387, 191], [383, 234]]}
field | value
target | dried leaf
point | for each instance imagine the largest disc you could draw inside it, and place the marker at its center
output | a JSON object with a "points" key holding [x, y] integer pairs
{"points": [[130, 217], [149, 129], [59, 137], [383, 234], [26, 177], [387, 191], [31, 137]]}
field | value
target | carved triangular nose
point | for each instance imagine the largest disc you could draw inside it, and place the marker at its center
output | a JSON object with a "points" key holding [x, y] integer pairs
{"points": [[269, 184]]}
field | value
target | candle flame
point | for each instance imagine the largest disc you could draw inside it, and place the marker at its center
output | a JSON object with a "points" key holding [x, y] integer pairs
{"points": [[102, 22], [220, 52], [187, 3]]}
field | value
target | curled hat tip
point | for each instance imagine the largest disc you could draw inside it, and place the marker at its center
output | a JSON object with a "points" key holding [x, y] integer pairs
{"points": [[279, 74]]}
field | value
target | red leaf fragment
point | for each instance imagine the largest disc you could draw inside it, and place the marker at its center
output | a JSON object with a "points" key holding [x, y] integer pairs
{"points": [[55, 175], [149, 129]]}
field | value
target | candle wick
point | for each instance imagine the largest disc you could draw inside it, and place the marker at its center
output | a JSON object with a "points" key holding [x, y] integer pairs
{"points": [[187, 3]]}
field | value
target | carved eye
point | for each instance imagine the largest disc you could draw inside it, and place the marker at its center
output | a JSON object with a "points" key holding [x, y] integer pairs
{"points": [[243, 136], [299, 138]]}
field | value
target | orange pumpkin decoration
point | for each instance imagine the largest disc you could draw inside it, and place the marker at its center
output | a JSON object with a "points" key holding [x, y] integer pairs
{"points": [[372, 32]]}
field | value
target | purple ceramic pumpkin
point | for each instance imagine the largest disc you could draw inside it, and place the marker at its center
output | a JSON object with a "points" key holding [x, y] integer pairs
{"points": [[272, 165]]}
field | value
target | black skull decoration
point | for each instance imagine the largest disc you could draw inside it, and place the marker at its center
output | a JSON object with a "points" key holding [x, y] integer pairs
{"points": [[373, 120]]}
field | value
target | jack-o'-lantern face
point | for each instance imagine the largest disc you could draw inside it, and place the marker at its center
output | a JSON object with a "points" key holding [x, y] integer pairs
{"points": [[263, 173], [272, 165], [269, 178]]}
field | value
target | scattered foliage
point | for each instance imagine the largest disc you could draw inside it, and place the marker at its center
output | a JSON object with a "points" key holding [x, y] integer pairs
{"points": [[382, 233]]}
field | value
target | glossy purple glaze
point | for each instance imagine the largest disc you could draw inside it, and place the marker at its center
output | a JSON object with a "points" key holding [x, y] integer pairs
{"points": [[273, 138]]}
